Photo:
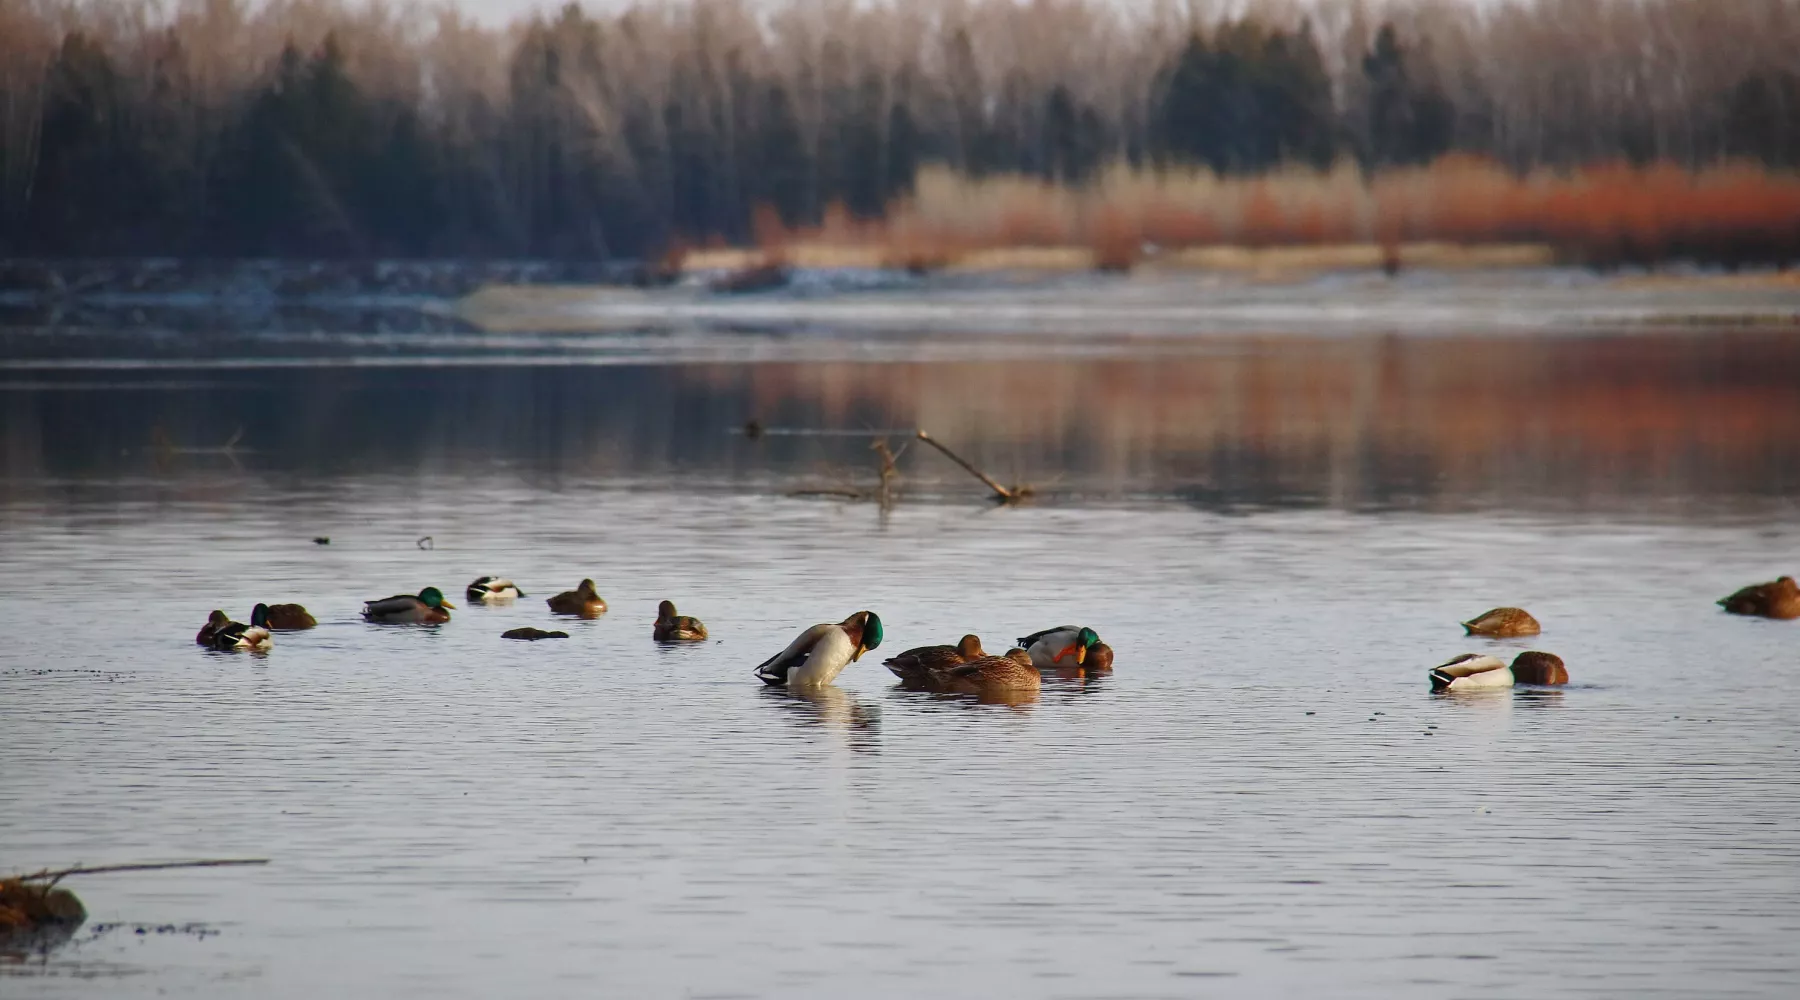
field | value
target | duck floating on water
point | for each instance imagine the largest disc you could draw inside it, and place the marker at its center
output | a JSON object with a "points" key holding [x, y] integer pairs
{"points": [[822, 652], [428, 608], [532, 634], [290, 618], [493, 589], [214, 622], [671, 627], [237, 635], [1480, 671], [1051, 646], [923, 666], [1502, 623], [583, 601], [1779, 598], [990, 675]]}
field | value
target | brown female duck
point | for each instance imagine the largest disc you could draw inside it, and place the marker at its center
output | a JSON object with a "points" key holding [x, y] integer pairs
{"points": [[583, 601], [290, 618], [923, 666], [988, 675], [1777, 599], [671, 627], [1502, 623]]}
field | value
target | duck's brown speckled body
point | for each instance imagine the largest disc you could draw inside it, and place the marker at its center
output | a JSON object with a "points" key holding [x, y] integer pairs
{"points": [[1502, 623], [924, 666], [1013, 672]]}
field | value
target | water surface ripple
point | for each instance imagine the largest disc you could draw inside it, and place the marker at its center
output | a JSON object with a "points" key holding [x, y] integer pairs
{"points": [[1264, 800]]}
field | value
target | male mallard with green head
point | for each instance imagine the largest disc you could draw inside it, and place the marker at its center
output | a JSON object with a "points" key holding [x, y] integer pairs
{"points": [[1051, 646], [290, 618], [583, 601], [1777, 599], [991, 674], [671, 627], [428, 608], [494, 590], [1502, 623], [237, 635], [822, 652], [1478, 671], [923, 666]]}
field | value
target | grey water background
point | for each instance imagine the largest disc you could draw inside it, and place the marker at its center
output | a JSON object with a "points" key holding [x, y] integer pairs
{"points": [[1277, 534]]}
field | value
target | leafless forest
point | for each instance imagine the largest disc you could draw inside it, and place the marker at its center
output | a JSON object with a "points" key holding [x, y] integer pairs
{"points": [[315, 128]]}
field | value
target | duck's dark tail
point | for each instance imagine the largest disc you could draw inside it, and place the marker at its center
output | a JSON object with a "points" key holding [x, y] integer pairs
{"points": [[1440, 681]]}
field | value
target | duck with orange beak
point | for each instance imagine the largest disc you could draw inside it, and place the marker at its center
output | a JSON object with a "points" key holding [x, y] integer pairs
{"points": [[1064, 645]]}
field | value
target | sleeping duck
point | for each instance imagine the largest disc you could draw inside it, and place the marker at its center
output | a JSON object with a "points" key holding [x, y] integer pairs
{"points": [[1479, 671], [1779, 599], [493, 589], [1052, 646], [1502, 623], [922, 666]]}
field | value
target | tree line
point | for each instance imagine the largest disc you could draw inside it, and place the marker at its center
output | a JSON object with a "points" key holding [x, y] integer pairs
{"points": [[317, 129]]}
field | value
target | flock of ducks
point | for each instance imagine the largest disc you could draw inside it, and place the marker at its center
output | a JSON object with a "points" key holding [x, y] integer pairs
{"points": [[1779, 598], [820, 653]]}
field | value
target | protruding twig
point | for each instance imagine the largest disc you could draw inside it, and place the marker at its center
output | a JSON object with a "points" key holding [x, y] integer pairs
{"points": [[426, 542], [1000, 492], [54, 877]]}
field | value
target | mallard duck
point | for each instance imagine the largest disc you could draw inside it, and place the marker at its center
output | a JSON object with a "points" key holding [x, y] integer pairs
{"points": [[428, 608], [290, 618], [237, 635], [1099, 661], [581, 601], [822, 652], [1779, 599], [1535, 667], [924, 665], [532, 634], [214, 622], [1471, 671], [1475, 671], [989, 674], [1047, 648], [671, 627], [494, 589], [1502, 623]]}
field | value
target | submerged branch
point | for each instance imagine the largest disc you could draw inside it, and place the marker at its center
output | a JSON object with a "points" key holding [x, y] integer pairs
{"points": [[1000, 492], [60, 874]]}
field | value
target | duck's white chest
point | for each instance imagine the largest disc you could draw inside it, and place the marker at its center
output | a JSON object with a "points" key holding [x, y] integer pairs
{"points": [[827, 659]]}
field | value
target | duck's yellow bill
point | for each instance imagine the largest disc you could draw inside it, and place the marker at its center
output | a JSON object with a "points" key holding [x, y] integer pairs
{"points": [[860, 650], [446, 604], [1080, 654]]}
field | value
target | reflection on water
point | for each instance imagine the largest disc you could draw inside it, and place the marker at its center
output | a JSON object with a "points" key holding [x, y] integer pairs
{"points": [[1373, 421], [1264, 794]]}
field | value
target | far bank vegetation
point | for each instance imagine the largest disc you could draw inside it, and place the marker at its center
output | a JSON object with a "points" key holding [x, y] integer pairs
{"points": [[916, 134]]}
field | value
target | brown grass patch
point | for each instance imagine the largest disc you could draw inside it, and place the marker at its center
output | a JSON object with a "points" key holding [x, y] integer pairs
{"points": [[1603, 215]]}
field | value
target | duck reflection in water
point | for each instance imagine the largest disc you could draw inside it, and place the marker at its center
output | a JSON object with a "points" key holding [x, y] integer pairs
{"points": [[832, 708]]}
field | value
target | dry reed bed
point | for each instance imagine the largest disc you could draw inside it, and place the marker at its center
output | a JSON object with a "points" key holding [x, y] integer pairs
{"points": [[1600, 215]]}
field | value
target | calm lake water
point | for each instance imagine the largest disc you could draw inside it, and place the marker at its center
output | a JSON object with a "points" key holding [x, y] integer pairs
{"points": [[1277, 534]]}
